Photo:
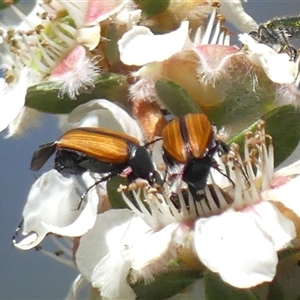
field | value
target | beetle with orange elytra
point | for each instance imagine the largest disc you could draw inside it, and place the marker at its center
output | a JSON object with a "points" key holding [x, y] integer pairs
{"points": [[188, 149], [98, 150]]}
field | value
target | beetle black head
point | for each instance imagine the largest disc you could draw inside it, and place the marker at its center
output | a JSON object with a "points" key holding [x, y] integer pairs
{"points": [[142, 165], [195, 175], [41, 155]]}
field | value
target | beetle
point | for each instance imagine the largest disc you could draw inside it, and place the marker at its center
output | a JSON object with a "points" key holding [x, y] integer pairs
{"points": [[278, 32], [98, 150], [188, 149]]}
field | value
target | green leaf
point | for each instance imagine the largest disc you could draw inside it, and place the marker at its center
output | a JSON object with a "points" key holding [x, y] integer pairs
{"points": [[216, 288], [44, 97], [152, 7], [275, 291], [166, 285], [168, 90], [283, 124], [115, 198]]}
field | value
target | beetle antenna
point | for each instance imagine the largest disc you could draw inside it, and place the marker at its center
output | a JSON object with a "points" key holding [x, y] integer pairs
{"points": [[147, 144], [19, 227]]}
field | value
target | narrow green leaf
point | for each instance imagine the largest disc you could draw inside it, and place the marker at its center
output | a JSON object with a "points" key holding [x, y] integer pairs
{"points": [[44, 97], [216, 288], [283, 124], [175, 98], [152, 7], [166, 285]]}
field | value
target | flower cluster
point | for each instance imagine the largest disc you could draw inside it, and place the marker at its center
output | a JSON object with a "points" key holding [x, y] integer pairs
{"points": [[129, 67]]}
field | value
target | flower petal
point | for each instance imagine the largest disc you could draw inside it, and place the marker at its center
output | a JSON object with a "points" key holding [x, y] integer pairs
{"points": [[50, 200], [101, 10], [75, 73], [277, 66], [140, 46], [102, 113], [89, 36], [287, 194], [12, 98], [272, 221], [84, 222], [150, 247], [234, 12], [234, 245], [76, 287], [98, 256]]}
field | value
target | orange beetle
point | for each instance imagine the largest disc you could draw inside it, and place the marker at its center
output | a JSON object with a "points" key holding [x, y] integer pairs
{"points": [[188, 149], [98, 150]]}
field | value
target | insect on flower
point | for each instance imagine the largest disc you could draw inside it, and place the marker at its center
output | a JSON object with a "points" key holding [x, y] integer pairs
{"points": [[276, 33], [189, 146], [98, 150]]}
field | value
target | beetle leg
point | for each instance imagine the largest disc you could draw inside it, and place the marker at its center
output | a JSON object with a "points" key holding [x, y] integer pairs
{"points": [[215, 165], [104, 178]]}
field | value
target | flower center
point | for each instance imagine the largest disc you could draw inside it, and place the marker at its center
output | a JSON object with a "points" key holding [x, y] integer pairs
{"points": [[240, 187]]}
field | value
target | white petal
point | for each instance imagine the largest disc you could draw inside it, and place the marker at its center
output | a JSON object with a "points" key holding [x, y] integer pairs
{"points": [[150, 247], [76, 287], [102, 113], [287, 194], [293, 169], [98, 257], [84, 222], [12, 99], [140, 46], [234, 12], [89, 36], [234, 245], [27, 118], [52, 200], [110, 276], [278, 67], [272, 221]]}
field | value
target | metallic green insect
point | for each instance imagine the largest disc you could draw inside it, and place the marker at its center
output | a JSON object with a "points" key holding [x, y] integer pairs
{"points": [[277, 33]]}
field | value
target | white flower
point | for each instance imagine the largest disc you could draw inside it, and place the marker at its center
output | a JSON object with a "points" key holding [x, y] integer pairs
{"points": [[101, 113], [140, 46], [237, 235], [99, 257], [12, 98], [277, 66], [54, 40], [65, 218], [234, 12], [58, 211]]}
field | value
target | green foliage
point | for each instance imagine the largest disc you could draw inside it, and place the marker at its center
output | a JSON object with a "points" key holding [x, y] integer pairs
{"points": [[115, 198], [283, 124], [175, 98], [166, 285], [152, 7], [216, 288], [44, 97]]}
